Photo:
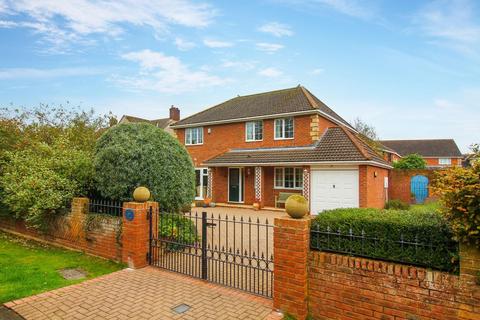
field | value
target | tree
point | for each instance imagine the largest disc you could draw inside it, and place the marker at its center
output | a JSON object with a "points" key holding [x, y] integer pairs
{"points": [[46, 158], [140, 154], [459, 192], [412, 161], [475, 156], [39, 182], [365, 129]]}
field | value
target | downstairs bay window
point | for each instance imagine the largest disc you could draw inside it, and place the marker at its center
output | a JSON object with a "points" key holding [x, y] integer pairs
{"points": [[288, 178]]}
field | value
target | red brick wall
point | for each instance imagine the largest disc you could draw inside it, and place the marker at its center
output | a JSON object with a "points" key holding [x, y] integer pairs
{"points": [[399, 184], [69, 231], [224, 137], [372, 191], [342, 287]]}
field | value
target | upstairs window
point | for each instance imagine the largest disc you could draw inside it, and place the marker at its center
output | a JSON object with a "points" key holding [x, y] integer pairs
{"points": [[445, 161], [284, 128], [254, 130], [194, 136]]}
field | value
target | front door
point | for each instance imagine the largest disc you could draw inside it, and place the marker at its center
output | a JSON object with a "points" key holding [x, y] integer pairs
{"points": [[235, 185]]}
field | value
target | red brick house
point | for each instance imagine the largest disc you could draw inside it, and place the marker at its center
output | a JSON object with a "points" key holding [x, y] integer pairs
{"points": [[249, 149], [438, 153]]}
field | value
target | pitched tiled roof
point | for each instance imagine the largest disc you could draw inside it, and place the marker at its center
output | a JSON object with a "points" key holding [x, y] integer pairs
{"points": [[295, 99], [160, 123], [337, 144], [426, 148]]}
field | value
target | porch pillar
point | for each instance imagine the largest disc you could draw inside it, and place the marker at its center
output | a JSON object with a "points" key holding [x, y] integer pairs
{"points": [[306, 183], [258, 186], [210, 183]]}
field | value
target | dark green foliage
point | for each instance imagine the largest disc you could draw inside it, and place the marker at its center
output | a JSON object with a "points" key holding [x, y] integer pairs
{"points": [[178, 229], [412, 161], [388, 235], [139, 154], [397, 205]]}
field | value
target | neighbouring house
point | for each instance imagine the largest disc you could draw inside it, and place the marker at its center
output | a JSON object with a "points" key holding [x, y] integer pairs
{"points": [[164, 123], [438, 153], [259, 148]]}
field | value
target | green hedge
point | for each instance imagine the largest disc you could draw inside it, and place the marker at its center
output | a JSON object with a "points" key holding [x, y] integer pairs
{"points": [[416, 237], [177, 231]]}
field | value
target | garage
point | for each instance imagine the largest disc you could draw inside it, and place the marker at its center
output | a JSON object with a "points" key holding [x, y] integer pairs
{"points": [[332, 189]]}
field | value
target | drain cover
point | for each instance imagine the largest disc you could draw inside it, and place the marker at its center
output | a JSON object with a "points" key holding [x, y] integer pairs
{"points": [[73, 274], [181, 308]]}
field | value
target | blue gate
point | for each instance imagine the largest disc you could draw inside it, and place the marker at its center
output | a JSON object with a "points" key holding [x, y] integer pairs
{"points": [[419, 188]]}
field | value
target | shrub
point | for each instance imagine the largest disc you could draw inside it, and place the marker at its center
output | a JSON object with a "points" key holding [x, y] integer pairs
{"points": [[412, 161], [178, 229], [459, 192], [413, 237], [397, 205], [139, 154], [39, 183]]}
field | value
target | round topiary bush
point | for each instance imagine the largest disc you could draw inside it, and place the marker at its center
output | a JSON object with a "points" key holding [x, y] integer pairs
{"points": [[140, 154]]}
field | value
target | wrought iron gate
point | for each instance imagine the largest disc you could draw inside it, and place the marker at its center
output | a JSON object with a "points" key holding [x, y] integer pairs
{"points": [[235, 252]]}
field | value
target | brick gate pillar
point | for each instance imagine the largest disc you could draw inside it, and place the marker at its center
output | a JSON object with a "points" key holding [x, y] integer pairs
{"points": [[135, 232], [291, 244]]}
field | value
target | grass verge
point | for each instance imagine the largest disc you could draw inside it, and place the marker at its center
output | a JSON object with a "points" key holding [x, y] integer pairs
{"points": [[28, 267]]}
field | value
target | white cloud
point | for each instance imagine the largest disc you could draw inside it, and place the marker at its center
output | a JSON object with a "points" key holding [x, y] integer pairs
{"points": [[276, 29], [270, 72], [444, 104], [62, 22], [8, 24], [167, 74], [317, 71], [269, 47], [211, 43], [451, 24], [32, 73], [184, 45], [239, 65]]}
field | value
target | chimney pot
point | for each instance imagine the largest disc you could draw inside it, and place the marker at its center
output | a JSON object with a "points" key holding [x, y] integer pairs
{"points": [[174, 113]]}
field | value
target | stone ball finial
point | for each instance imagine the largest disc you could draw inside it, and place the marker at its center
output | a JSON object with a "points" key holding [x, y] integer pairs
{"points": [[141, 194], [296, 206]]}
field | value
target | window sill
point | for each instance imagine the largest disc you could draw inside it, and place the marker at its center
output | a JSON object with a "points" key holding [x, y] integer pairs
{"points": [[253, 140], [283, 188], [283, 138], [192, 145]]}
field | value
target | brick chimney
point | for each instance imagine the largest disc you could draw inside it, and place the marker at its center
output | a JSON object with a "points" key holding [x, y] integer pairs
{"points": [[174, 113]]}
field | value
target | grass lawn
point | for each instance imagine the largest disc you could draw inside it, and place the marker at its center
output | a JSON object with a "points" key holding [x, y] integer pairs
{"points": [[430, 206], [29, 267]]}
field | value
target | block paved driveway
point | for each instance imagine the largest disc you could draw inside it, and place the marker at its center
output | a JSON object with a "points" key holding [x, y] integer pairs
{"points": [[148, 293]]}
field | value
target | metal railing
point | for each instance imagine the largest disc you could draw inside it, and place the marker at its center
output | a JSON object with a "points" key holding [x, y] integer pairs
{"points": [[105, 206], [420, 250]]}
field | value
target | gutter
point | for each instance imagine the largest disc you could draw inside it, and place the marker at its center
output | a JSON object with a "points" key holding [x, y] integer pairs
{"points": [[299, 163]]}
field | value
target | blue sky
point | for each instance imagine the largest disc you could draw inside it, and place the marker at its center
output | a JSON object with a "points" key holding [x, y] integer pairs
{"points": [[409, 68]]}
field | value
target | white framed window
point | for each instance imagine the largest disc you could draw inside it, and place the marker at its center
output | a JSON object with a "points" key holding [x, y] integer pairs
{"points": [[284, 128], [201, 183], [288, 178], [254, 131], [194, 136], [445, 161]]}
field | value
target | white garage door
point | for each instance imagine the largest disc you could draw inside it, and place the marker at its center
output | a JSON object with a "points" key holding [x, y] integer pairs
{"points": [[332, 189]]}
